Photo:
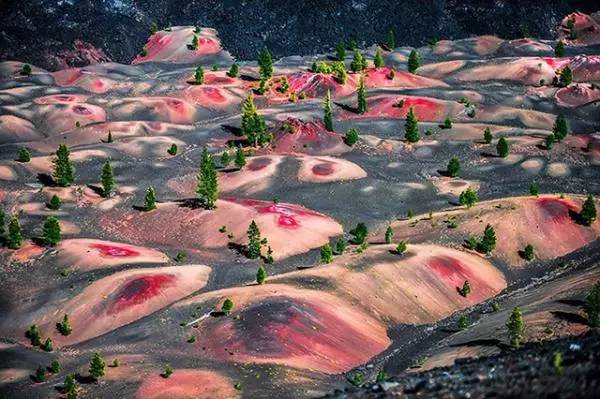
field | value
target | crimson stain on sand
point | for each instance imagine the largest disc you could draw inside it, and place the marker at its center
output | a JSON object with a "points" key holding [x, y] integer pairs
{"points": [[113, 250], [556, 210], [323, 169], [139, 290]]}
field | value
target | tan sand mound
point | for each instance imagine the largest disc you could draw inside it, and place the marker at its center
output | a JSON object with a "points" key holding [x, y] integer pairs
{"points": [[548, 223], [160, 109], [123, 298], [90, 254], [187, 384], [299, 328], [290, 229], [577, 95], [328, 169]]}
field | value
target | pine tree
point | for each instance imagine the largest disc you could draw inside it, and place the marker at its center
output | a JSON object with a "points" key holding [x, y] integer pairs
{"points": [[566, 77], [592, 305], [468, 197], [109, 137], [225, 159], [447, 123], [463, 322], [51, 231], [413, 61], [378, 60], [528, 252], [339, 69], [253, 125], [362, 99], [261, 275], [265, 64], [254, 246], [55, 367], [488, 242], [327, 112], [234, 71], [207, 187], [34, 335], [40, 374], [326, 253], [588, 210], [227, 306], [352, 136], [549, 141], [168, 371], [340, 50], [54, 203], [24, 155], [70, 387], [240, 158], [172, 149], [453, 167], [15, 239], [262, 86], [150, 199], [47, 346], [401, 247], [502, 147], [560, 128], [360, 233], [64, 173], [466, 289], [559, 49], [412, 130], [26, 70], [340, 246], [389, 234], [199, 75], [487, 135], [358, 62], [194, 44], [516, 328], [108, 179], [534, 189], [64, 327], [97, 366], [391, 40]]}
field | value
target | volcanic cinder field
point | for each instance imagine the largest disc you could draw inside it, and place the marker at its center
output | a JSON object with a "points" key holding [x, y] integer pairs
{"points": [[147, 287]]}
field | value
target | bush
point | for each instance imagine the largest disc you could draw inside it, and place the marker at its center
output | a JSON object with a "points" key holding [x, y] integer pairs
{"points": [[528, 253], [70, 387], [54, 203], [378, 60], [559, 49], [463, 322], [359, 233], [108, 179], [413, 61], [465, 290], [453, 167], [565, 77], [15, 239], [55, 366], [487, 135], [240, 158], [168, 371], [549, 141], [488, 242], [234, 71], [534, 189], [97, 366], [447, 123], [26, 70], [47, 346], [468, 197], [227, 306], [389, 234], [352, 136], [150, 199], [516, 328], [261, 275], [588, 210], [172, 149], [340, 50], [40, 374], [502, 147], [64, 327], [24, 155], [358, 62], [401, 247], [560, 129], [391, 40], [51, 231], [34, 335], [592, 305], [326, 253], [340, 246], [199, 75]]}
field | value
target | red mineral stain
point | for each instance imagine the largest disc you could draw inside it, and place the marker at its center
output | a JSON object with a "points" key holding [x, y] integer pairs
{"points": [[113, 250], [556, 210], [213, 94], [259, 163], [287, 221], [81, 110], [211, 79], [323, 169], [139, 290]]}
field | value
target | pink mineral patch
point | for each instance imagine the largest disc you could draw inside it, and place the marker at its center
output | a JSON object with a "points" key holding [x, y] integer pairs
{"points": [[187, 384], [323, 169], [139, 290], [113, 250], [577, 95], [307, 138]]}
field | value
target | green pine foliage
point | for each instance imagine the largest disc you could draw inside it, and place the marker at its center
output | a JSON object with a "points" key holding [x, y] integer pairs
{"points": [[54, 203], [47, 345], [172, 149], [463, 322], [64, 326], [358, 62], [70, 387], [391, 40], [352, 136], [254, 127], [465, 290], [97, 366], [34, 335], [528, 252], [453, 168], [566, 77], [265, 64], [401, 247], [592, 305], [199, 75], [389, 235], [447, 123], [225, 159], [327, 112], [240, 158], [51, 231], [588, 210], [549, 141], [207, 182], [55, 367], [150, 199], [488, 241], [502, 147], [15, 238], [234, 71], [64, 172], [340, 246], [339, 69], [254, 246], [108, 180], [534, 189], [414, 61], [560, 129], [359, 234], [487, 135], [40, 374], [227, 306], [26, 70], [24, 155], [362, 99], [411, 126], [516, 328], [559, 49], [468, 197], [378, 60], [340, 51], [261, 275], [326, 253]]}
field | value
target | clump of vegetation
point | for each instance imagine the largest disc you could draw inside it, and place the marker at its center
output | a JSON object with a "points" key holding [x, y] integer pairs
{"points": [[172, 149], [108, 180], [559, 49], [167, 372], [265, 64], [340, 51], [534, 189], [565, 77], [15, 238], [447, 123], [465, 290], [240, 158], [401, 247], [234, 71], [179, 257], [411, 126], [116, 362], [64, 326], [413, 61], [51, 231], [516, 328], [361, 97], [254, 127], [24, 155], [357, 379], [502, 147], [352, 136], [70, 387], [64, 172], [207, 186], [327, 112], [47, 345], [284, 85], [340, 246], [592, 306], [55, 366], [54, 203], [453, 168], [560, 129], [97, 366], [549, 141], [391, 40], [468, 197], [255, 242], [463, 322], [389, 235], [199, 75], [488, 241], [227, 306], [150, 199], [378, 60], [487, 135], [528, 252], [359, 234], [557, 362], [34, 335], [194, 44], [225, 159], [359, 62], [326, 253], [40, 374], [588, 210], [261, 275]]}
